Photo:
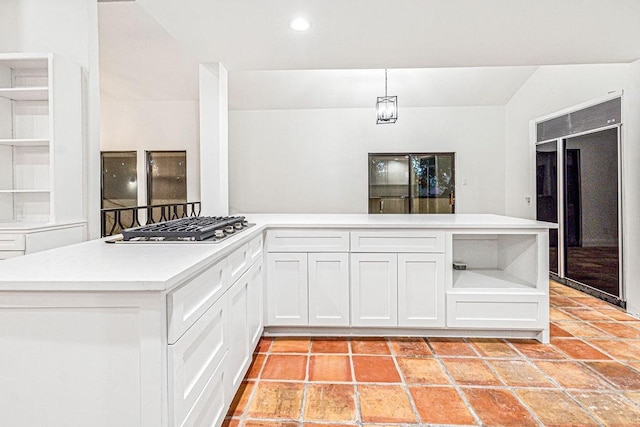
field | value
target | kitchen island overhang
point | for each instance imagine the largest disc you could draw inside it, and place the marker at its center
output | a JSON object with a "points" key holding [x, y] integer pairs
{"points": [[163, 331]]}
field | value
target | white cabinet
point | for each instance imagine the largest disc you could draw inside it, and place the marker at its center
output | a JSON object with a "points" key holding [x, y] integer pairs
{"points": [[195, 358], [287, 289], [255, 303], [505, 283], [398, 278], [328, 289], [41, 140], [307, 277], [374, 289], [421, 287], [239, 354], [213, 326], [41, 151]]}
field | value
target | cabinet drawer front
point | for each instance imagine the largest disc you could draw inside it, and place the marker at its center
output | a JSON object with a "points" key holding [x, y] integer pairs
{"points": [[497, 311], [186, 304], [255, 249], [194, 358], [210, 407], [397, 241], [11, 242], [239, 262], [307, 241], [10, 254]]}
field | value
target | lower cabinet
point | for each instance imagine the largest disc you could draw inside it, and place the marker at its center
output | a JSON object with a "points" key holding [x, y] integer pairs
{"points": [[389, 289], [308, 289], [374, 289], [287, 294], [208, 362]]}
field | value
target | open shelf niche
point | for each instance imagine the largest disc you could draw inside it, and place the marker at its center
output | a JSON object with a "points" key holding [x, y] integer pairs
{"points": [[495, 261]]}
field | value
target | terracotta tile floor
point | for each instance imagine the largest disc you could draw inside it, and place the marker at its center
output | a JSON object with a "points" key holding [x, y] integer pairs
{"points": [[588, 376]]}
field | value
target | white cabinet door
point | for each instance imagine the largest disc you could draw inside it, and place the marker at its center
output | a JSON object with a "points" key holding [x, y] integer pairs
{"points": [[287, 289], [194, 359], [239, 354], [421, 290], [374, 289], [255, 304], [329, 289]]}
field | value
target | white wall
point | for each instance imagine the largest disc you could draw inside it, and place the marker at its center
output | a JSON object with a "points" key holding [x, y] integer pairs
{"points": [[549, 89], [69, 29], [316, 160], [631, 198], [153, 126]]}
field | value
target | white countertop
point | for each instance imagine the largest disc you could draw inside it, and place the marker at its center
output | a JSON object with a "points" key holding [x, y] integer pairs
{"points": [[97, 266]]}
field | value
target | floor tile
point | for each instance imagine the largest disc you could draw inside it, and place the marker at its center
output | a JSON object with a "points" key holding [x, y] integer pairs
{"points": [[470, 372], [634, 396], [583, 329], [619, 315], [586, 313], [619, 330], [622, 376], [256, 366], [519, 373], [330, 402], [422, 371], [554, 408], [619, 349], [276, 400], [572, 375], [493, 348], [264, 345], [268, 424], [385, 404], [578, 349], [557, 315], [416, 347], [327, 425], [568, 292], [562, 301], [231, 422], [451, 347], [440, 405], [498, 407], [330, 345], [285, 367], [375, 369], [556, 331], [611, 409], [330, 368], [241, 398], [290, 345], [591, 301], [535, 350], [369, 346]]}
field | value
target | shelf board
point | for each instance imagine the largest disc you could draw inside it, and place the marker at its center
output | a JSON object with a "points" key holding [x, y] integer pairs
{"points": [[24, 191], [25, 93], [488, 279], [26, 142]]}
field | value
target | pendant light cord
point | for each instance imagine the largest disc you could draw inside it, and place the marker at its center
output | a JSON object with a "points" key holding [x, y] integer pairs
{"points": [[385, 82]]}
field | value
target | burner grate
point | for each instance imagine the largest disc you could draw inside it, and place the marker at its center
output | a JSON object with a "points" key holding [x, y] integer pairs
{"points": [[191, 228]]}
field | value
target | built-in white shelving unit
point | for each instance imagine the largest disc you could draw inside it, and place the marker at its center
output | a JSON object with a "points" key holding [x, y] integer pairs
{"points": [[41, 143]]}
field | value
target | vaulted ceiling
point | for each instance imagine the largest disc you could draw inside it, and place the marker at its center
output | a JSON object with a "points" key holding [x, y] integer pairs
{"points": [[439, 52]]}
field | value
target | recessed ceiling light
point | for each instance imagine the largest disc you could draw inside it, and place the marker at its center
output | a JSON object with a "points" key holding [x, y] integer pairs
{"points": [[300, 23]]}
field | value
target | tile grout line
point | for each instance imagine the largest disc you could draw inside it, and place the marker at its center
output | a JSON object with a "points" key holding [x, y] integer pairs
{"points": [[405, 386], [454, 384], [356, 393]]}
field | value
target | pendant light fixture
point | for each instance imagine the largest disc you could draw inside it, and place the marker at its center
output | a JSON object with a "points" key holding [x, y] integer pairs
{"points": [[386, 106]]}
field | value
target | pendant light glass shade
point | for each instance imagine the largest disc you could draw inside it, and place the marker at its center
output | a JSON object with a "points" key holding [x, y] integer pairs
{"points": [[386, 106]]}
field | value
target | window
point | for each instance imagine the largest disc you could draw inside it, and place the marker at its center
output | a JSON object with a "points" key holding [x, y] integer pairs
{"points": [[119, 179], [412, 183]]}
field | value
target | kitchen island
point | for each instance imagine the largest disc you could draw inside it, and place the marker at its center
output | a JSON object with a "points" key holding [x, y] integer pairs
{"points": [[161, 334]]}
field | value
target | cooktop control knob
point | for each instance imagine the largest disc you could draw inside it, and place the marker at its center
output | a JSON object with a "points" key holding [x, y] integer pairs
{"points": [[229, 229]]}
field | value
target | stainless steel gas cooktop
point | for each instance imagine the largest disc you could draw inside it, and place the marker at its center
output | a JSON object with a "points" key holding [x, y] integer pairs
{"points": [[192, 229]]}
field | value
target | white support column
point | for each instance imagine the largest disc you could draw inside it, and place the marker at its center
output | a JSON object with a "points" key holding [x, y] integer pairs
{"points": [[214, 140]]}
